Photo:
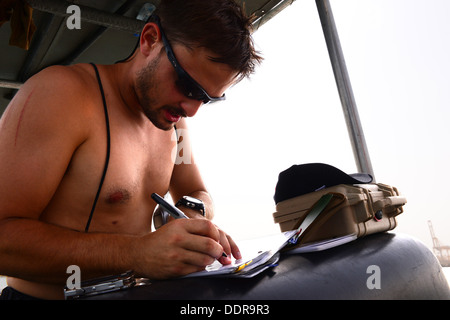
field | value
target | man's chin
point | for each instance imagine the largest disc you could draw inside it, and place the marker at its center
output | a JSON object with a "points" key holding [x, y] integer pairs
{"points": [[164, 125], [160, 122]]}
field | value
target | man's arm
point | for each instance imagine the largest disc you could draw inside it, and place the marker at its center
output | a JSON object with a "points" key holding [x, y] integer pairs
{"points": [[39, 252], [187, 180]]}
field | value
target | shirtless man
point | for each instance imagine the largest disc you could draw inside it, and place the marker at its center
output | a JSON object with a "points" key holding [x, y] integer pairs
{"points": [[53, 146]]}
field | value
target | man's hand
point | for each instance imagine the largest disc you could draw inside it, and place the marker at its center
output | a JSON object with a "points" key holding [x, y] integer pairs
{"points": [[228, 244], [182, 247]]}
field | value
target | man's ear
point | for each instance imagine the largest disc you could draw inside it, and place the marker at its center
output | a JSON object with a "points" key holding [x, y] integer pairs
{"points": [[150, 36]]}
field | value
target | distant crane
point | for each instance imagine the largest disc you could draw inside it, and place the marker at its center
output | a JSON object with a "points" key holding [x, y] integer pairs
{"points": [[441, 252]]}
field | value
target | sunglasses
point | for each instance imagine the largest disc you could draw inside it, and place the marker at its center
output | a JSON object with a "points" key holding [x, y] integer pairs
{"points": [[185, 83]]}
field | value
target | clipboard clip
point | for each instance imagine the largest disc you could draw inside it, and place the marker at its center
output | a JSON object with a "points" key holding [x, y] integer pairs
{"points": [[104, 285]]}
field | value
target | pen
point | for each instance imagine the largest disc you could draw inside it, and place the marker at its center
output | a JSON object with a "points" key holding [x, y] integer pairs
{"points": [[173, 211]]}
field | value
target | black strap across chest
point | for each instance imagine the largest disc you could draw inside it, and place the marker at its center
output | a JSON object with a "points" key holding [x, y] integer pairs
{"points": [[108, 148]]}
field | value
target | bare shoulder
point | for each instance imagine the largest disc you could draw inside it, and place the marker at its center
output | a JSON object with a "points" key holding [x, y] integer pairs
{"points": [[65, 82], [48, 119], [57, 94], [74, 75], [58, 100]]}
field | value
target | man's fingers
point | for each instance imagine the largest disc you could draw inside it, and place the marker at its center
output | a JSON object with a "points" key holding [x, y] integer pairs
{"points": [[205, 239], [230, 248], [201, 236], [234, 248], [202, 227]]}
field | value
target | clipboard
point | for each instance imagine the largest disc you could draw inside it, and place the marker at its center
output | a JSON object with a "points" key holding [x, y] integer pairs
{"points": [[261, 253]]}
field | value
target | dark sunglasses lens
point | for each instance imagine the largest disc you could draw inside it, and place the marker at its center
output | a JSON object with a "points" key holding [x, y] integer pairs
{"points": [[191, 91]]}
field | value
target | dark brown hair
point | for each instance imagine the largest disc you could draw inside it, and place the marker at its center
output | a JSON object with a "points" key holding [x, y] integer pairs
{"points": [[221, 26]]}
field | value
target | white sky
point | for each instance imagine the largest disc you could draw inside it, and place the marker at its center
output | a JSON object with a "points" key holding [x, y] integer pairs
{"points": [[398, 57]]}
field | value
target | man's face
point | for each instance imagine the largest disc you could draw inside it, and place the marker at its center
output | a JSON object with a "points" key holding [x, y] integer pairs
{"points": [[159, 91], [147, 88]]}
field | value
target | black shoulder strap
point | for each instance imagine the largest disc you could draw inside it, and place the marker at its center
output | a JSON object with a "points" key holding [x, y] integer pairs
{"points": [[108, 148]]}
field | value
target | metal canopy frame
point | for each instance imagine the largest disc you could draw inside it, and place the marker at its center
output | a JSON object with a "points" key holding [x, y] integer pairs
{"points": [[264, 11], [355, 130]]}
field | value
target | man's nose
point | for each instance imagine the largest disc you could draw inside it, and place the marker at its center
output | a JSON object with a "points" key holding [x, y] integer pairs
{"points": [[191, 107]]}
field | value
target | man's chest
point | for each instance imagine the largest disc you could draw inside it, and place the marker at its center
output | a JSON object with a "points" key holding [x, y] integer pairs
{"points": [[138, 165], [138, 168]]}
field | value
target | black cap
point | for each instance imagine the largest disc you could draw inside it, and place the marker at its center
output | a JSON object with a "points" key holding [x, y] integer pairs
{"points": [[310, 177]]}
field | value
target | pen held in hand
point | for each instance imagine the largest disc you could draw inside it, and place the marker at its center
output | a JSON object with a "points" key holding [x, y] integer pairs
{"points": [[173, 211]]}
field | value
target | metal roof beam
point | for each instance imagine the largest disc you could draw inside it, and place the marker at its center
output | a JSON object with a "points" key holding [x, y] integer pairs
{"points": [[10, 84], [90, 15], [355, 130]]}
